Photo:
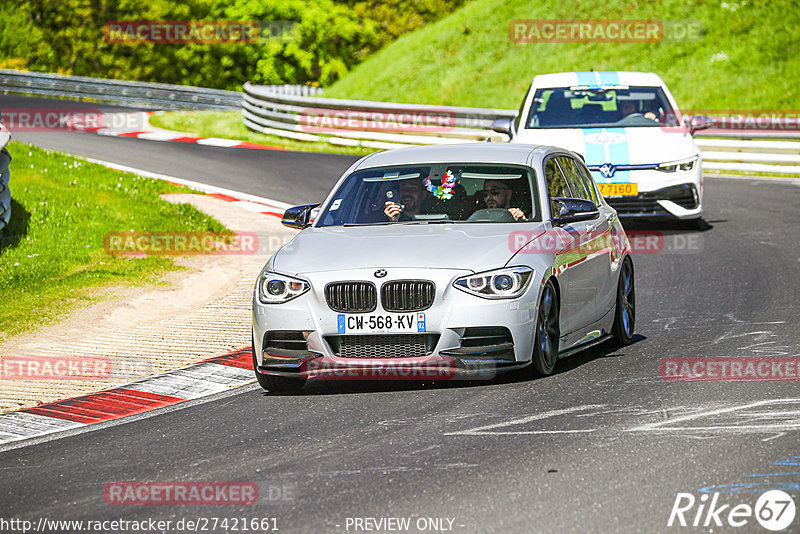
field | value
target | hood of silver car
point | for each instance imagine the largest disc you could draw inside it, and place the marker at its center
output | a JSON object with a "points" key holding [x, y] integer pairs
{"points": [[477, 247]]}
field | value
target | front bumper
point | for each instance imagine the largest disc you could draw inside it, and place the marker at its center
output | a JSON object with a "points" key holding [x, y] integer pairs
{"points": [[463, 336], [679, 201], [661, 195], [319, 367]]}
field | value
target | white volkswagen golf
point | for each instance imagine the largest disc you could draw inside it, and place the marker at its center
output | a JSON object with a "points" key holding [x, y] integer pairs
{"points": [[628, 128]]}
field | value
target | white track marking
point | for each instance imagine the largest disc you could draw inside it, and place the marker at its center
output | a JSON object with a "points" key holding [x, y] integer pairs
{"points": [[22, 425], [194, 382], [669, 425], [194, 185], [158, 136], [488, 430], [216, 141]]}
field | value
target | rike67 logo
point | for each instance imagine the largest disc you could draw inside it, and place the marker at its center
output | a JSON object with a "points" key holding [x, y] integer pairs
{"points": [[774, 510]]}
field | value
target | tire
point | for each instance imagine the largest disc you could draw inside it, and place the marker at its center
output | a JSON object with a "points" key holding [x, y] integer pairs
{"points": [[625, 313], [275, 384], [547, 333]]}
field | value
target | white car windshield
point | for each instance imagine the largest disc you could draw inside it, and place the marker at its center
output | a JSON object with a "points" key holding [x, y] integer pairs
{"points": [[581, 107], [434, 193]]}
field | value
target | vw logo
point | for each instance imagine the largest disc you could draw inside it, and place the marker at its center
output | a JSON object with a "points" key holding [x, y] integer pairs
{"points": [[607, 170], [380, 273]]}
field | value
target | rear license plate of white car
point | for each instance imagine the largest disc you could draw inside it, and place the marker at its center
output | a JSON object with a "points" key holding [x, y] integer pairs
{"points": [[380, 323], [614, 190]]}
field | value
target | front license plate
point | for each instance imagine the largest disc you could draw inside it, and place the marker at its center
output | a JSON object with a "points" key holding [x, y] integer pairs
{"points": [[379, 323], [616, 190]]}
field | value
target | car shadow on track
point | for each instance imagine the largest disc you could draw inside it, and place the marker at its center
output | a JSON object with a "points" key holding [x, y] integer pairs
{"points": [[669, 227], [603, 350], [344, 387], [17, 228]]}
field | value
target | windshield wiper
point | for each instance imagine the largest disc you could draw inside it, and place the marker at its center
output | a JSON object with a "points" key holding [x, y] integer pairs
{"points": [[379, 223]]}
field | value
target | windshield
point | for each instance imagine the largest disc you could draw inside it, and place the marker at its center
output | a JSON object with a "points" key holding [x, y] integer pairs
{"points": [[435, 193], [570, 107]]}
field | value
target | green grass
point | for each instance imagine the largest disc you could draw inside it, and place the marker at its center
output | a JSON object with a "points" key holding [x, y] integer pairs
{"points": [[748, 58], [229, 125], [52, 258]]}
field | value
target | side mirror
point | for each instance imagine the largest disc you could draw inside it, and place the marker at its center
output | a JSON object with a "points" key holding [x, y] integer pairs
{"points": [[298, 216], [700, 122], [573, 210], [502, 126]]}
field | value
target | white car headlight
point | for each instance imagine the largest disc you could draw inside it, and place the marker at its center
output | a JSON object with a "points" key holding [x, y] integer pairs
{"points": [[683, 165], [507, 283], [278, 288]]}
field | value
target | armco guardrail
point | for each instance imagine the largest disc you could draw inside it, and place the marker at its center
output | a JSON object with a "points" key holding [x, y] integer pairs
{"points": [[139, 94], [369, 124], [750, 155], [5, 175], [266, 110]]}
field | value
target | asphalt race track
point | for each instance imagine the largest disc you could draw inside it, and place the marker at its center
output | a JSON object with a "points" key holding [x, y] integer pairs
{"points": [[293, 177], [604, 445]]}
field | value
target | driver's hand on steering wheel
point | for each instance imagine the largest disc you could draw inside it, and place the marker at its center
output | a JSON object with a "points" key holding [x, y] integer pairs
{"points": [[517, 214]]}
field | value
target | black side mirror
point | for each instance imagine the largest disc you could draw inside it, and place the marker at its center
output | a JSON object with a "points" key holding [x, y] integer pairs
{"points": [[569, 210], [298, 216], [502, 126]]}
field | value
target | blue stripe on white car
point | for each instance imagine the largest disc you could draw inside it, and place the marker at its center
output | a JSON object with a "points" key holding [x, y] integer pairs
{"points": [[607, 145]]}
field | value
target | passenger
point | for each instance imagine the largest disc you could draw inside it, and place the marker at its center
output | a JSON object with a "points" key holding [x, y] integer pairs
{"points": [[411, 193], [497, 194]]}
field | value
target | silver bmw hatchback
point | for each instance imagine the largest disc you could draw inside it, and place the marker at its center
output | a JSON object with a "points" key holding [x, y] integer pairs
{"points": [[444, 262]]}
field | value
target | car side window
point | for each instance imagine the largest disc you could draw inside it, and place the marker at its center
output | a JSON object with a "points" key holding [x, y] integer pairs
{"points": [[574, 178], [556, 183], [590, 185]]}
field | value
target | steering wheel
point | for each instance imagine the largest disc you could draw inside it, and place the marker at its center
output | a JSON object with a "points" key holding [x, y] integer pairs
{"points": [[491, 215]]}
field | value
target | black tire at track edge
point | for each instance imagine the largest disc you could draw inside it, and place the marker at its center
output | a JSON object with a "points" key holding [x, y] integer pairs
{"points": [[539, 367], [620, 337], [274, 384]]}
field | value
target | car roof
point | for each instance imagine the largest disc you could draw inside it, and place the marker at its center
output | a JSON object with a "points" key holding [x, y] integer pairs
{"points": [[597, 78], [463, 153]]}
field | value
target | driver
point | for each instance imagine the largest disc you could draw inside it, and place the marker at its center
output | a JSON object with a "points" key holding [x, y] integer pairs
{"points": [[411, 192], [497, 194], [629, 108]]}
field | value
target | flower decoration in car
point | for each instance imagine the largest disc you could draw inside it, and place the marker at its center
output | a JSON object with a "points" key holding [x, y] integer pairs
{"points": [[444, 191]]}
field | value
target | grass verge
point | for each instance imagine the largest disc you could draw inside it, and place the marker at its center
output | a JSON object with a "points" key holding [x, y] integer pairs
{"points": [[52, 258], [730, 55], [229, 125]]}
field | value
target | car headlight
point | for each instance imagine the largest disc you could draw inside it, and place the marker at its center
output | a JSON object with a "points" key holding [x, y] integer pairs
{"points": [[278, 288], [682, 165], [505, 283]]}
